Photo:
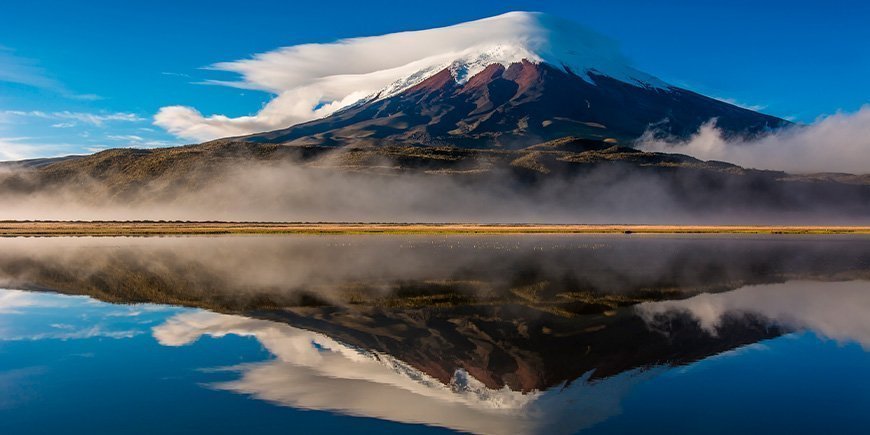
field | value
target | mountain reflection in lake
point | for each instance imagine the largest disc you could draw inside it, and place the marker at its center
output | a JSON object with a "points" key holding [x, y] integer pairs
{"points": [[485, 334]]}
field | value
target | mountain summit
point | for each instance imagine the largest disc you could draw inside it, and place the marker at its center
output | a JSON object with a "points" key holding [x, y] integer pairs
{"points": [[526, 36], [521, 78]]}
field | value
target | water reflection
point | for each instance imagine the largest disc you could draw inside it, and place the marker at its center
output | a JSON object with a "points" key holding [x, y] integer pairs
{"points": [[537, 334], [836, 310], [564, 274], [314, 371], [29, 316]]}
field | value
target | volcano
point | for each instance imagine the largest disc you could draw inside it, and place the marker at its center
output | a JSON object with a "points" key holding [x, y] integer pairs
{"points": [[520, 117], [549, 78]]}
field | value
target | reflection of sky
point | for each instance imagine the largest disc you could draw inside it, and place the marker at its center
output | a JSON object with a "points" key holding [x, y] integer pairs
{"points": [[39, 316], [105, 373], [836, 310], [141, 369], [312, 371], [796, 384]]}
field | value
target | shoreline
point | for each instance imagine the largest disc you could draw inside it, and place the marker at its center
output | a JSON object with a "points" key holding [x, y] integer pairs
{"points": [[159, 228]]}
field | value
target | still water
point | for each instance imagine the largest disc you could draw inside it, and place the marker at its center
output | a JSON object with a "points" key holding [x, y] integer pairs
{"points": [[520, 334]]}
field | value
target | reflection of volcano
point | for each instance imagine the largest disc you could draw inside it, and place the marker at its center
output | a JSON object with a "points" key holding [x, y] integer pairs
{"points": [[464, 369], [313, 371], [370, 378], [516, 347], [484, 334], [316, 371], [563, 275], [495, 370], [527, 312]]}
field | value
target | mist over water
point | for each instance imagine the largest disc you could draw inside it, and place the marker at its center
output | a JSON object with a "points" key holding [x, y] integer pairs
{"points": [[234, 271]]}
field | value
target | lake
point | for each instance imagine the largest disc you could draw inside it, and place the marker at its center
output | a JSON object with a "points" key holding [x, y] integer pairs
{"points": [[495, 334]]}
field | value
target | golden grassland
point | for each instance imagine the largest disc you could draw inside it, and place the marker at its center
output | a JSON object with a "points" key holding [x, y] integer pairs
{"points": [[156, 228]]}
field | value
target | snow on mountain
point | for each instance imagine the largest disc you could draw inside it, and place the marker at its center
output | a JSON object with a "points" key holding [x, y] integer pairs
{"points": [[313, 371], [535, 37], [314, 80]]}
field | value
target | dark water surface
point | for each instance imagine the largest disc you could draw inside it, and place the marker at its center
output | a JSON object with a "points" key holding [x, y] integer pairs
{"points": [[519, 334]]}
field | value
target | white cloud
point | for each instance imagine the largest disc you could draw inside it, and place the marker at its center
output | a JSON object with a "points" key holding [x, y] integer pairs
{"points": [[48, 316], [836, 143], [21, 148], [753, 107], [12, 301], [312, 371], [77, 334], [24, 71], [174, 74], [125, 137], [16, 148], [95, 119], [314, 80], [132, 140]]}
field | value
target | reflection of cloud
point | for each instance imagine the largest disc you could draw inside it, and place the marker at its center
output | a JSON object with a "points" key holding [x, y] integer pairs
{"points": [[14, 385], [80, 334], [837, 310], [313, 371], [13, 301], [47, 316]]}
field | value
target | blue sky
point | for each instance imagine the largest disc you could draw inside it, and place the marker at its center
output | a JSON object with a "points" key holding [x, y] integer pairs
{"points": [[82, 76]]}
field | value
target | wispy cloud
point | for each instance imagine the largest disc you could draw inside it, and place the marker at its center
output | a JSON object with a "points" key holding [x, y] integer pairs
{"points": [[21, 148], [133, 140], [753, 107], [61, 317], [13, 301], [95, 119], [125, 138], [175, 74], [25, 71]]}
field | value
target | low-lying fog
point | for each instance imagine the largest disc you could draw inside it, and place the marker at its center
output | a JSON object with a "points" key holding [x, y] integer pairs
{"points": [[290, 192]]}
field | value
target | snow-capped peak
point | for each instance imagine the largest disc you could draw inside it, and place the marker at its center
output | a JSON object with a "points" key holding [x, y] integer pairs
{"points": [[312, 81], [534, 37]]}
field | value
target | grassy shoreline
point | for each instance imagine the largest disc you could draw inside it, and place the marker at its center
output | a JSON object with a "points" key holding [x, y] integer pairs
{"points": [[147, 228]]}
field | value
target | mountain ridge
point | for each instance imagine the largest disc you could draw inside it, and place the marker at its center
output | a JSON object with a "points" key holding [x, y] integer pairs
{"points": [[520, 105], [569, 180]]}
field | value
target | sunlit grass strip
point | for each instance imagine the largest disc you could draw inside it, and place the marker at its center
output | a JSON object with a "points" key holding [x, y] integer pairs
{"points": [[45, 228]]}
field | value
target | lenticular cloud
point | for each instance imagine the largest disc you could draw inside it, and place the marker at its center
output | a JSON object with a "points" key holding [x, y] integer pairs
{"points": [[311, 81]]}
